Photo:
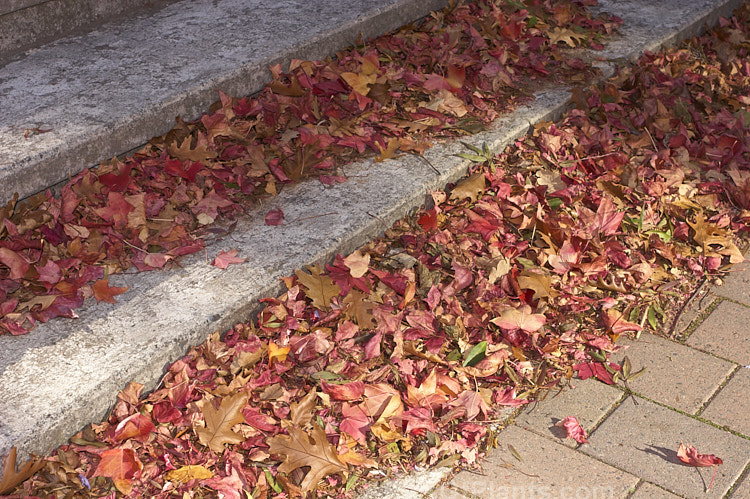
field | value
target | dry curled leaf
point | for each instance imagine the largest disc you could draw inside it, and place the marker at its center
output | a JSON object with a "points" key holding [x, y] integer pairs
{"points": [[319, 288]]}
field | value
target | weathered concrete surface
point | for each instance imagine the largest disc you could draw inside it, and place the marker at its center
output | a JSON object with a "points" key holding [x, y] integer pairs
{"points": [[66, 373], [109, 91], [726, 333], [731, 406], [25, 24]]}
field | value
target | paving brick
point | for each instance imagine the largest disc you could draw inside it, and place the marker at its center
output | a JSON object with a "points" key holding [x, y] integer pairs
{"points": [[743, 489], [726, 333], [676, 375], [737, 284], [650, 491], [446, 493], [731, 406], [589, 401], [548, 469], [700, 302], [643, 440]]}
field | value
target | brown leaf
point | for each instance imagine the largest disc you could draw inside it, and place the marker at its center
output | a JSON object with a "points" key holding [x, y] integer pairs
{"points": [[185, 153], [104, 292], [470, 188], [302, 411], [320, 288], [219, 422], [359, 309], [12, 477], [300, 449], [541, 284], [187, 473]]}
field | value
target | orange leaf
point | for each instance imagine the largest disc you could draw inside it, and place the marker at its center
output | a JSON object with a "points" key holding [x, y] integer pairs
{"points": [[277, 353], [104, 292], [122, 466]]}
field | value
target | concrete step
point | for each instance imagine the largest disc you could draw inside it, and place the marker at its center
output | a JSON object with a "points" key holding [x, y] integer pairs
{"points": [[107, 91], [65, 373], [27, 24]]}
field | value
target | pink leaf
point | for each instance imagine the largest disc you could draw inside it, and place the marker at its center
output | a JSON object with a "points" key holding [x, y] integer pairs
{"points": [[690, 455], [520, 318], [573, 429], [226, 258], [274, 217]]}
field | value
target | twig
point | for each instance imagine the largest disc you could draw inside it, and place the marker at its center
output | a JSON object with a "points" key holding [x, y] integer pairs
{"points": [[313, 216], [653, 142], [428, 162], [682, 307]]}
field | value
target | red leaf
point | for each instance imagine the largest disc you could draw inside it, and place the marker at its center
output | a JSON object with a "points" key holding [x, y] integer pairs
{"points": [[15, 262], [137, 427], [690, 455], [573, 429], [355, 422], [346, 391], [104, 292], [274, 217], [226, 258], [607, 220], [121, 465], [428, 220]]}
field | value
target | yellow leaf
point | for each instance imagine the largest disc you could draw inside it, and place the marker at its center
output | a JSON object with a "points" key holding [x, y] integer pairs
{"points": [[389, 152], [566, 36], [541, 284], [187, 473], [360, 82], [277, 353]]}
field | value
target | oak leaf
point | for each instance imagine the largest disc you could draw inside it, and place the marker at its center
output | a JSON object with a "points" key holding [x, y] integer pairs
{"points": [[185, 153], [470, 188], [219, 422], [566, 36], [319, 288], [541, 284], [300, 449], [13, 477]]}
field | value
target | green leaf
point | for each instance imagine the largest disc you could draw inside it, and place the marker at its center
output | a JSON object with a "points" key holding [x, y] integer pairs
{"points": [[626, 367], [272, 482], [475, 354], [554, 203], [351, 482], [652, 317]]}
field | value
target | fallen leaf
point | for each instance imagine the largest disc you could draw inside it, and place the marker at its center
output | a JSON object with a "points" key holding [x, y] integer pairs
{"points": [[275, 217], [104, 292], [574, 429], [300, 449], [520, 318], [219, 422], [470, 188], [122, 466], [187, 473], [319, 288], [227, 258], [357, 263], [690, 455], [12, 477]]}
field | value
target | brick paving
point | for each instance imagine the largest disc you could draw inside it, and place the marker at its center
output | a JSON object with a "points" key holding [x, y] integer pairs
{"points": [[694, 391]]}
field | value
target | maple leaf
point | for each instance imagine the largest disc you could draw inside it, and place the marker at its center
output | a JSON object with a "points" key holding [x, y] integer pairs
{"points": [[187, 473], [104, 292], [616, 322], [12, 477], [574, 429], [219, 422], [319, 288], [227, 258], [300, 449], [690, 455], [520, 318], [122, 466], [470, 188]]}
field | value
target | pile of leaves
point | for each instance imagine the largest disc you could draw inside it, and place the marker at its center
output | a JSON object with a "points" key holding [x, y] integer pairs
{"points": [[446, 76], [522, 276]]}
